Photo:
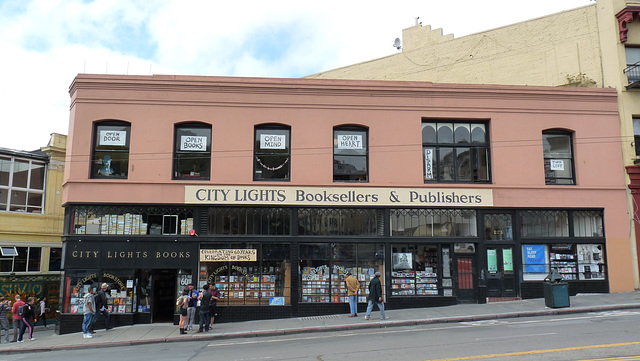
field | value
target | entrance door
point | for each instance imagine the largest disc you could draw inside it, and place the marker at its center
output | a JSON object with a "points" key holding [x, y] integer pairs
{"points": [[501, 280], [465, 278], [164, 295]]}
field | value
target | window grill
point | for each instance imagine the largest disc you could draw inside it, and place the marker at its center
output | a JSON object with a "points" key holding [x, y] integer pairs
{"points": [[434, 223], [588, 224], [250, 221], [544, 223], [338, 222]]}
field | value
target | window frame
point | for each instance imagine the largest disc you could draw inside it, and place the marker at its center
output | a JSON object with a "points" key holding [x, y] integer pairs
{"points": [[438, 147], [202, 160], [10, 191], [548, 180], [259, 164], [358, 176], [97, 164]]}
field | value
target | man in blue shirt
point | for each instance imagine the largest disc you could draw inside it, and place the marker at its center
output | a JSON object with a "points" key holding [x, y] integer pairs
{"points": [[191, 309]]}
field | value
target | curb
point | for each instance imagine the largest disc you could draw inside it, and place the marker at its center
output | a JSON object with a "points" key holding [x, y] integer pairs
{"points": [[315, 329]]}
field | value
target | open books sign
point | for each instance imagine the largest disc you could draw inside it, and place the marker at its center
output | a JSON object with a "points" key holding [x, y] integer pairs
{"points": [[228, 255]]}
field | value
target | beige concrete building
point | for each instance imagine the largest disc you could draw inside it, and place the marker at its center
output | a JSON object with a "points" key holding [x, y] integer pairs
{"points": [[592, 46], [31, 220]]}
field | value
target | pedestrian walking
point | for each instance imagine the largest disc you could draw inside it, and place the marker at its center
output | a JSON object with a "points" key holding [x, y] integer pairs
{"points": [[352, 292], [183, 303], [205, 300], [41, 311], [191, 308], [17, 320], [375, 297], [101, 308], [26, 311], [5, 306], [89, 309]]}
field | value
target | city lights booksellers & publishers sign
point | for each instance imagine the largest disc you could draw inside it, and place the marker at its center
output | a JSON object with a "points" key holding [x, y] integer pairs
{"points": [[330, 196]]}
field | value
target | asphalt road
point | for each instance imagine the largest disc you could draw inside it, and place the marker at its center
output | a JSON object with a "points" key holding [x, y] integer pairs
{"points": [[602, 336]]}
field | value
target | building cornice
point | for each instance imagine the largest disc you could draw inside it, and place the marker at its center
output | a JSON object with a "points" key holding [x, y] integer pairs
{"points": [[626, 16]]}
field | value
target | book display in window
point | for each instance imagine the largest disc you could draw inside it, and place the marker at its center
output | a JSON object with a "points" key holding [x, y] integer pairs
{"points": [[315, 286], [563, 260], [403, 283], [591, 262], [128, 224], [338, 288], [426, 282]]}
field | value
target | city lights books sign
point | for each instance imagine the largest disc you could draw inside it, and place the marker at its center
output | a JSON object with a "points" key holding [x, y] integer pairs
{"points": [[330, 196]]}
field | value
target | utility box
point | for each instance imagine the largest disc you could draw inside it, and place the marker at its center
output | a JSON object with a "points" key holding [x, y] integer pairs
{"points": [[556, 291]]}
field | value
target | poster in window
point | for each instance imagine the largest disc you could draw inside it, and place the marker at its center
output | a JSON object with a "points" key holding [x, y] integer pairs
{"points": [[492, 261], [428, 163], [535, 258], [507, 260], [402, 261], [193, 143], [350, 141], [113, 137], [556, 164], [273, 141]]}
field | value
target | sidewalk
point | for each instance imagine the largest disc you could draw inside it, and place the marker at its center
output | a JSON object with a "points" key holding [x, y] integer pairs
{"points": [[47, 340]]}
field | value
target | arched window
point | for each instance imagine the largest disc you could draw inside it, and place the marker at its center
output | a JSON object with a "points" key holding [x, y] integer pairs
{"points": [[558, 157], [350, 154], [111, 149], [272, 153], [192, 151]]}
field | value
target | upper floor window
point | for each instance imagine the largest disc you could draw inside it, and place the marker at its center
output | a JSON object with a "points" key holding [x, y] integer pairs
{"points": [[636, 135], [633, 64], [111, 150], [558, 157], [27, 259], [192, 151], [21, 184], [455, 152], [350, 154], [272, 153]]}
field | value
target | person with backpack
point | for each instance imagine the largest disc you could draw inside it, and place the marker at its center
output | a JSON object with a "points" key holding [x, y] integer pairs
{"points": [[183, 303], [205, 300], [17, 320], [26, 312], [40, 310]]}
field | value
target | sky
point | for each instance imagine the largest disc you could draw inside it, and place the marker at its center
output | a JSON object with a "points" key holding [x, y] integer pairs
{"points": [[46, 43]]}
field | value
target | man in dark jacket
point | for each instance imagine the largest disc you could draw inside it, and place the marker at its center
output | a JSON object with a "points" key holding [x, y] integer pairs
{"points": [[101, 308], [375, 296], [205, 300]]}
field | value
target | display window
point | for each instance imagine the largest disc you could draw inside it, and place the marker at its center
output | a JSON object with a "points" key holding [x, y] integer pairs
{"points": [[76, 285], [120, 294], [248, 274], [572, 261], [591, 264], [415, 270], [323, 268]]}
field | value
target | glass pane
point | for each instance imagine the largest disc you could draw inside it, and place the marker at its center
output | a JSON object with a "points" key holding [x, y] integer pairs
{"points": [[112, 137], [556, 145], [429, 133], [632, 54], [192, 165], [478, 133], [20, 261], [558, 171], [314, 267], [350, 165], [111, 164], [272, 167], [445, 165], [4, 194], [463, 163], [498, 227], [445, 133], [462, 133], [192, 152], [37, 176], [34, 202], [34, 259], [18, 201], [480, 160], [5, 171], [20, 173], [588, 224], [55, 259], [544, 224], [350, 142]]}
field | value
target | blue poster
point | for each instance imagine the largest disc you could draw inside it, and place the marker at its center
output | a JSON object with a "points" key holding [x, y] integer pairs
{"points": [[535, 258]]}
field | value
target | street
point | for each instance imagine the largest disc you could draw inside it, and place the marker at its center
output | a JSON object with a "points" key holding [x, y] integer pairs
{"points": [[610, 336]]}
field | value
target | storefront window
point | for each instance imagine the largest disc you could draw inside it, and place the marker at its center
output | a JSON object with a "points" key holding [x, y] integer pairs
{"points": [[76, 285], [544, 224], [120, 291], [534, 262], [324, 266], [415, 270], [588, 224], [249, 274], [591, 262], [338, 222], [250, 221], [497, 227], [144, 286], [130, 221]]}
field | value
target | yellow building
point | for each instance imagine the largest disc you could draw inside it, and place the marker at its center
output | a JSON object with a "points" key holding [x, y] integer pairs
{"points": [[591, 46], [31, 220]]}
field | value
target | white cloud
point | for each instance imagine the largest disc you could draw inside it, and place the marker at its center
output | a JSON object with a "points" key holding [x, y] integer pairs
{"points": [[47, 42]]}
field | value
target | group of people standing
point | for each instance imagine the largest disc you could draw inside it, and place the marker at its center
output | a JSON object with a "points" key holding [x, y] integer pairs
{"points": [[24, 316], [375, 295], [95, 304], [188, 303]]}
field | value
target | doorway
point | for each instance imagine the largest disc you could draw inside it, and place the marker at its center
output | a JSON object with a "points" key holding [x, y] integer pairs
{"points": [[164, 295], [464, 266], [501, 280]]}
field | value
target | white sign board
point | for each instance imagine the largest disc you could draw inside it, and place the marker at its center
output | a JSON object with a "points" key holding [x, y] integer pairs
{"points": [[113, 137], [353, 141], [228, 255], [193, 143], [428, 163], [557, 164], [272, 141]]}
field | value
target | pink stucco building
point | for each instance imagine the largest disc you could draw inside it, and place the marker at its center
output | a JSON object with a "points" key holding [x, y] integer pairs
{"points": [[274, 189]]}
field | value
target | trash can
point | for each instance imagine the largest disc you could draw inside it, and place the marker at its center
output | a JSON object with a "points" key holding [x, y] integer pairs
{"points": [[556, 291]]}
